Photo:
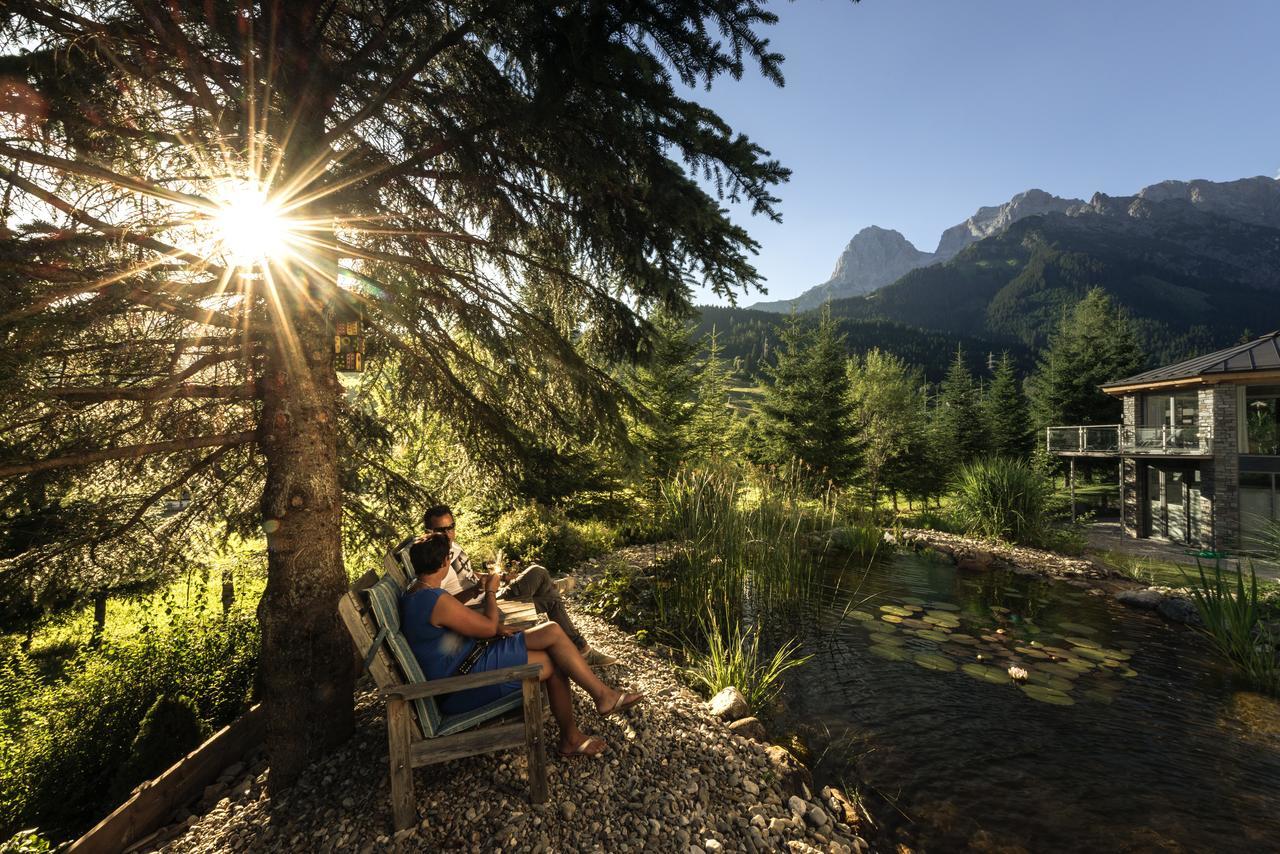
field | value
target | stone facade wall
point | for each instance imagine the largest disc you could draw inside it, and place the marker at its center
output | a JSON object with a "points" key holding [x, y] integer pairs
{"points": [[1130, 487], [1220, 477]]}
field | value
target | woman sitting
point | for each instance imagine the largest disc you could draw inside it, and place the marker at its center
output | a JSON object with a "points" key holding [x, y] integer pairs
{"points": [[450, 639]]}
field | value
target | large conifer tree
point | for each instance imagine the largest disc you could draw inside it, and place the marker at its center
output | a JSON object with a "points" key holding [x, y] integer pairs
{"points": [[1095, 343], [1004, 409], [957, 429], [506, 182], [806, 405]]}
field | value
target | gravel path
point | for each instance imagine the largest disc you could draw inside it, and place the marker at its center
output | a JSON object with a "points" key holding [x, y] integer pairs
{"points": [[674, 779]]}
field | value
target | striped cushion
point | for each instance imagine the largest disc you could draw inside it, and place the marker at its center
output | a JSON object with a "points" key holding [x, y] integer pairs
{"points": [[466, 720], [384, 600]]}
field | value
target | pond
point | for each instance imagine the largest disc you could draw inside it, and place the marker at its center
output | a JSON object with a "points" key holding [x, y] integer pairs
{"points": [[1127, 734]]}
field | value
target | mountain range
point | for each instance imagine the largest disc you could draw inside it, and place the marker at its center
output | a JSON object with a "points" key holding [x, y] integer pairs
{"points": [[1195, 263], [877, 257]]}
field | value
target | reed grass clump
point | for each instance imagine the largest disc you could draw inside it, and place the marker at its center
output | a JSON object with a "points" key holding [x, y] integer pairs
{"points": [[1005, 498], [1230, 610], [733, 658]]}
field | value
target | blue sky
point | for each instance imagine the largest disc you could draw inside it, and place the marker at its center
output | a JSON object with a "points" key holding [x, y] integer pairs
{"points": [[910, 114]]}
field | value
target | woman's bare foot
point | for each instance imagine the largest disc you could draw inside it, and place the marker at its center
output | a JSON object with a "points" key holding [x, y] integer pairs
{"points": [[590, 745], [616, 702]]}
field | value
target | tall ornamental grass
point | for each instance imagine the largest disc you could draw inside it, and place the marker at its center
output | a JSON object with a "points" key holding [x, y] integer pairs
{"points": [[1005, 498], [746, 543], [733, 658], [1232, 617]]}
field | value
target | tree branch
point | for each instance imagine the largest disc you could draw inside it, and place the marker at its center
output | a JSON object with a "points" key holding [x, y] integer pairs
{"points": [[128, 452]]}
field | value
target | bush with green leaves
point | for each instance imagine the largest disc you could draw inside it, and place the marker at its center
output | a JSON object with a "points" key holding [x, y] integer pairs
{"points": [[1006, 498], [170, 729], [61, 744], [542, 534]]}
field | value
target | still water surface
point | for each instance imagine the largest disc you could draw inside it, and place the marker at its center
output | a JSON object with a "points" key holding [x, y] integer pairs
{"points": [[1127, 736]]}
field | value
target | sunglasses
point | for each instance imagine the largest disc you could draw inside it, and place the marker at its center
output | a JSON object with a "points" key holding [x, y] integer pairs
{"points": [[445, 529]]}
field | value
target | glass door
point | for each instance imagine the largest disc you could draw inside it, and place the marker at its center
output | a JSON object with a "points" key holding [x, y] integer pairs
{"points": [[1175, 505], [1155, 504]]}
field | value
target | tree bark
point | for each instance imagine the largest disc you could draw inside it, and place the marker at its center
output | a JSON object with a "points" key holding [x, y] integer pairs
{"points": [[99, 617], [305, 673]]}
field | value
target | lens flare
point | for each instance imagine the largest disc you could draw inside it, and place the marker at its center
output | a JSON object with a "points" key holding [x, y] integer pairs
{"points": [[250, 228]]}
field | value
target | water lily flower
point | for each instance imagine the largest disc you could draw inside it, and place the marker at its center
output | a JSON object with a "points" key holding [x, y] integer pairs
{"points": [[1017, 674]]}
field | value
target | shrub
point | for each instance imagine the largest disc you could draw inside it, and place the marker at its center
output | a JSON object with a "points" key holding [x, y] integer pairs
{"points": [[1007, 499], [733, 658], [61, 744], [170, 729], [546, 535]]}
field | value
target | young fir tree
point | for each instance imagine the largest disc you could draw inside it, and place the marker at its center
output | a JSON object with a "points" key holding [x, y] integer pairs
{"points": [[1004, 409], [664, 384], [958, 432], [1095, 343], [231, 176], [885, 397], [806, 406], [712, 426]]}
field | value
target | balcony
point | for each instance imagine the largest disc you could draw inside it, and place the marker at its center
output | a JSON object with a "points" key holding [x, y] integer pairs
{"points": [[1115, 439]]}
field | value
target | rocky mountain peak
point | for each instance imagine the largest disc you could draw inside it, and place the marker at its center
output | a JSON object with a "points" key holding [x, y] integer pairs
{"points": [[993, 219]]}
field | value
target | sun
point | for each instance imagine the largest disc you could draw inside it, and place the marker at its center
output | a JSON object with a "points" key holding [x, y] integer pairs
{"points": [[250, 227]]}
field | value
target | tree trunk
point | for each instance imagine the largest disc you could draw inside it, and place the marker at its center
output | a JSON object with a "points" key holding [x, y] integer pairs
{"points": [[228, 591], [99, 617], [305, 675]]}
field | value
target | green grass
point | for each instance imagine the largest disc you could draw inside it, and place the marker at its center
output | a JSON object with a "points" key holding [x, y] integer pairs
{"points": [[1148, 570]]}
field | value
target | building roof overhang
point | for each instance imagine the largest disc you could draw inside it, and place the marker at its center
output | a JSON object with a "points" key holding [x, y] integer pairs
{"points": [[1252, 361]]}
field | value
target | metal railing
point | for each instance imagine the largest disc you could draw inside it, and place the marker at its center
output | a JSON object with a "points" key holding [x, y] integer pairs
{"points": [[1097, 438], [1115, 438]]}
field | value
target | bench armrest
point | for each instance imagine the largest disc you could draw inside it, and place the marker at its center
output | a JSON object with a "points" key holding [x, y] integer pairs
{"points": [[435, 687]]}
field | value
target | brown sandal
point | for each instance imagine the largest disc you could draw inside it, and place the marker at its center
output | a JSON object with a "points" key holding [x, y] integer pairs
{"points": [[625, 701], [583, 748]]}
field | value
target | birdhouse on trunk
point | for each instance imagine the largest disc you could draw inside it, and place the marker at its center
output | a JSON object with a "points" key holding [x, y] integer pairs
{"points": [[348, 336]]}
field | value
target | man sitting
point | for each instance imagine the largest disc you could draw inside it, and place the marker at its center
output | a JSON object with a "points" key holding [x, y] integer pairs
{"points": [[532, 584]]}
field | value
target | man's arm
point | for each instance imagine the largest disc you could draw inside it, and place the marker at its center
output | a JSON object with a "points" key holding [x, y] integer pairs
{"points": [[471, 586]]}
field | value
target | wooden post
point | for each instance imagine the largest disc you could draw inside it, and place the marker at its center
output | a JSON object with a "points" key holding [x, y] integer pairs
{"points": [[404, 810], [1072, 478], [534, 741]]}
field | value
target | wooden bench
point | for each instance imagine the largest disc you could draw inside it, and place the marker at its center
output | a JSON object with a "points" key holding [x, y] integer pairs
{"points": [[418, 733]]}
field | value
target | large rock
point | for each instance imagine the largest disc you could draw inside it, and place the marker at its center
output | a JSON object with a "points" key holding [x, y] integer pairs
{"points": [[749, 728], [794, 778], [1179, 610], [729, 705], [1146, 599]]}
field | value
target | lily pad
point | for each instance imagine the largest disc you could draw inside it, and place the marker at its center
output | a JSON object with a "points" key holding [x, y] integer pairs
{"points": [[1086, 643], [896, 610], [1040, 677], [931, 634], [1044, 694], [881, 637], [1033, 653], [1076, 628], [1059, 670], [942, 606], [891, 618], [1128, 672], [877, 626], [912, 600], [967, 640], [994, 675], [934, 661], [888, 651], [912, 622], [861, 616], [1092, 654], [942, 621]]}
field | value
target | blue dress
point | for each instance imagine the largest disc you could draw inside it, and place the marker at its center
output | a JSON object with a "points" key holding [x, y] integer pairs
{"points": [[439, 651]]}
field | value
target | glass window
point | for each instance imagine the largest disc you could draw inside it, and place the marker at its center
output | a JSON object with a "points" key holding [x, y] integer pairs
{"points": [[1262, 427], [1170, 410], [1257, 506]]}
